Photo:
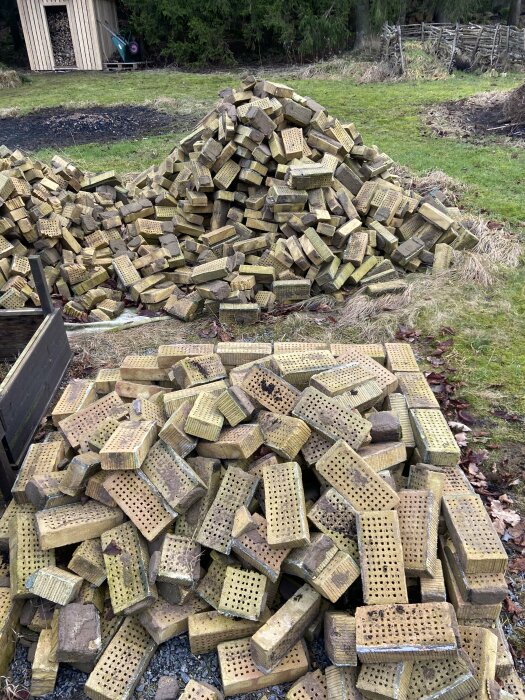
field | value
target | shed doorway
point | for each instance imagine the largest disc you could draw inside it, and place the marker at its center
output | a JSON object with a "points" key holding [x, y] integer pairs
{"points": [[60, 35]]}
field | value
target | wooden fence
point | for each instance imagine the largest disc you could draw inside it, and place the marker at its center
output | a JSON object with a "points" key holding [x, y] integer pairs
{"points": [[465, 46]]}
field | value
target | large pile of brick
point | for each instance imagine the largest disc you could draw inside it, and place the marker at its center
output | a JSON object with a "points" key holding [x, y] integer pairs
{"points": [[269, 200], [257, 497]]}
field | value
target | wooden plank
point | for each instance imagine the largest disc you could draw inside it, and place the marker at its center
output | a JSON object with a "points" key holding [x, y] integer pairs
{"points": [[27, 391]]}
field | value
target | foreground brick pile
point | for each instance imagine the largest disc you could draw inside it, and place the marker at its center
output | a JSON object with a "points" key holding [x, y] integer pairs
{"points": [[269, 200], [258, 497]]}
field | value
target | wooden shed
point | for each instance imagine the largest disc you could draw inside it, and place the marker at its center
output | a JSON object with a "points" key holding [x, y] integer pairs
{"points": [[66, 34]]}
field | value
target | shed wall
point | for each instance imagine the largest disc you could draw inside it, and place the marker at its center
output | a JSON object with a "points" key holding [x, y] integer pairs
{"points": [[89, 44]]}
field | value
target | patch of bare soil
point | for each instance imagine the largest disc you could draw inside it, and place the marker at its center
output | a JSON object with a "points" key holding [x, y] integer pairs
{"points": [[476, 118], [59, 127]]}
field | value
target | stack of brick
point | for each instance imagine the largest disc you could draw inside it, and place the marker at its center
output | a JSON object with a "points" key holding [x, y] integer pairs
{"points": [[172, 498], [269, 200]]}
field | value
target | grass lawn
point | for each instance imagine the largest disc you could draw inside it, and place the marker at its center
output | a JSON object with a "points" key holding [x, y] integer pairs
{"points": [[489, 323]]}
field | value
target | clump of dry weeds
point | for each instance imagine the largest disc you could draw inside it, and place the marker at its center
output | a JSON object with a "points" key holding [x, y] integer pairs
{"points": [[9, 79]]}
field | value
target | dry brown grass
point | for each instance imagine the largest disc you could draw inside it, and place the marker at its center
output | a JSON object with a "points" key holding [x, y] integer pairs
{"points": [[9, 79], [514, 106], [434, 180]]}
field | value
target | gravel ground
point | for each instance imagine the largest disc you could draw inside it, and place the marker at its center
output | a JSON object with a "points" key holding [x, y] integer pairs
{"points": [[173, 658]]}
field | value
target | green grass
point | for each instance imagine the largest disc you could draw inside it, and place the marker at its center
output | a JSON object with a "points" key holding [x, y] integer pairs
{"points": [[490, 324], [387, 114]]}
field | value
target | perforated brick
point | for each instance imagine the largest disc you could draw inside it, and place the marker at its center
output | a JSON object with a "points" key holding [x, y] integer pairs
{"points": [[465, 610], [204, 419], [434, 439], [416, 390], [195, 690], [341, 379], [239, 673], [336, 577], [386, 681], [400, 358], [335, 517], [285, 505], [172, 432], [142, 368], [312, 686], [201, 369], [88, 561], [41, 458], [285, 627], [481, 589], [233, 443], [208, 629], [179, 561], [77, 394], [315, 447], [418, 514], [127, 561], [341, 683], [339, 636], [9, 619], [398, 405], [128, 445], [168, 355], [173, 477], [386, 379], [514, 685], [349, 474], [164, 620], [174, 399], [237, 489], [433, 589], [450, 678], [330, 417], [243, 594], [280, 348], [270, 390], [143, 507], [470, 528], [125, 271], [85, 422], [298, 368], [122, 664], [234, 354], [25, 553], [75, 522], [253, 548], [391, 633], [146, 410], [235, 405], [481, 646], [210, 586], [381, 554], [284, 435]]}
